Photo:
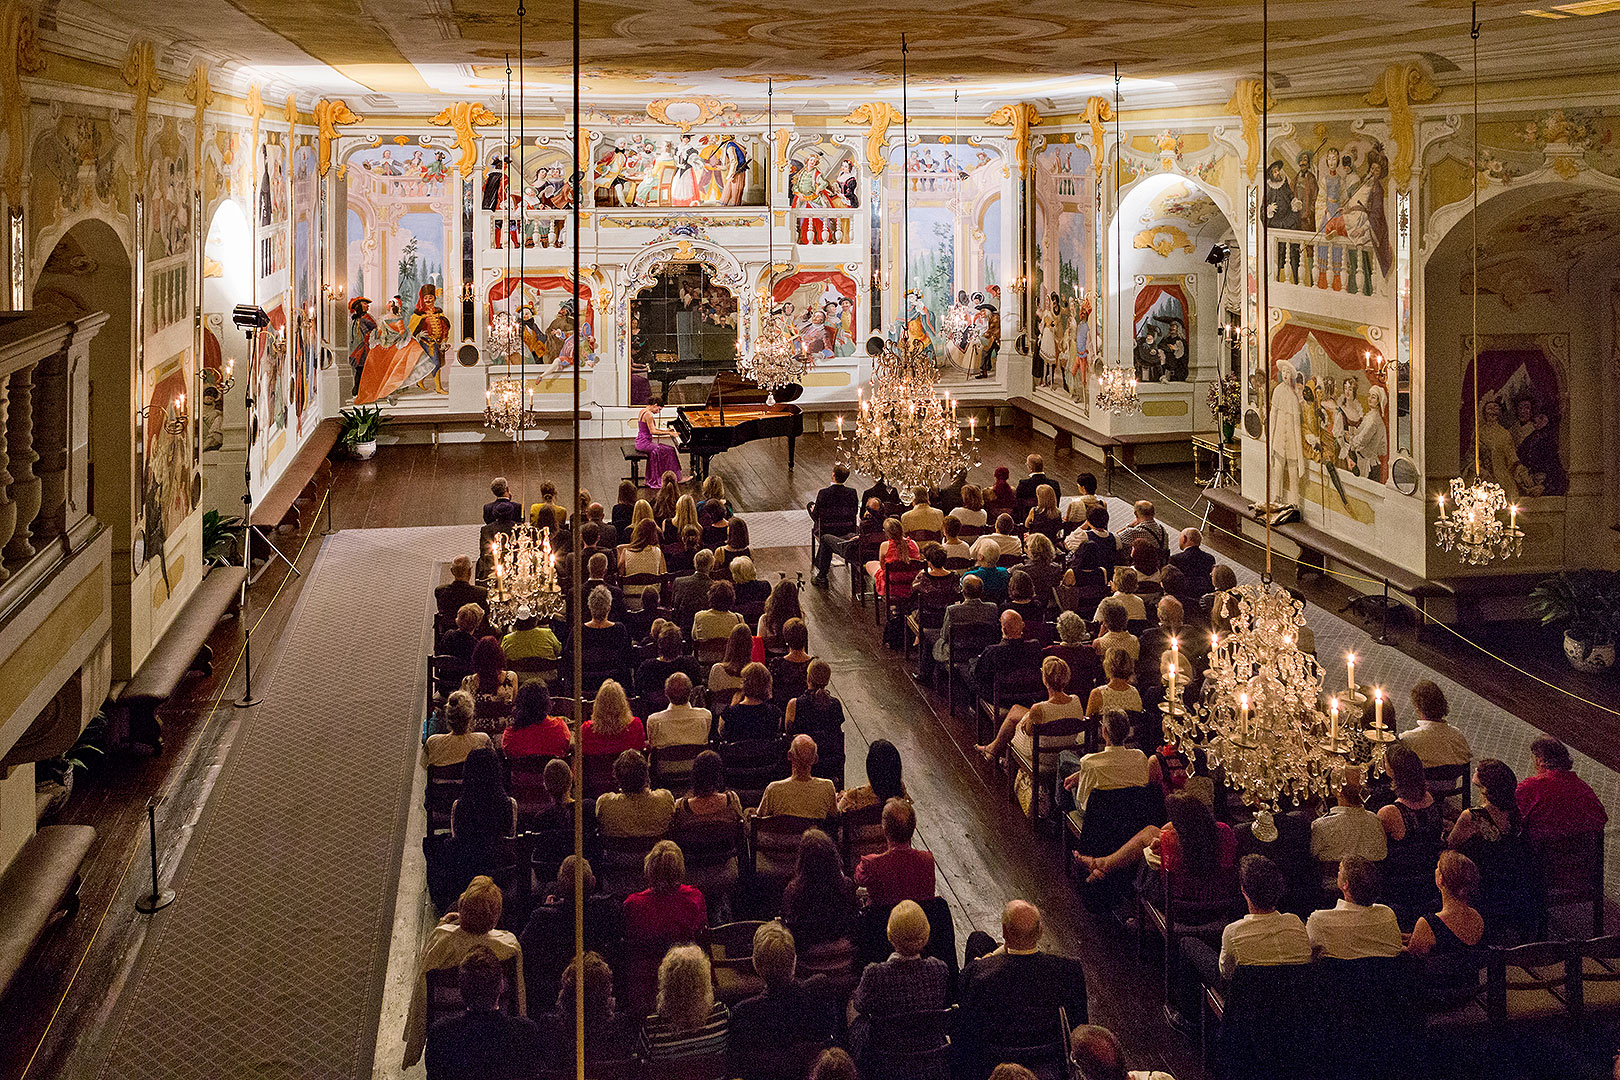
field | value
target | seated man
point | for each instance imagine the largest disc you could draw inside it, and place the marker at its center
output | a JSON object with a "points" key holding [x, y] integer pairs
{"points": [[1114, 766], [680, 724], [1145, 524], [481, 1041], [1265, 935], [1000, 984], [832, 514], [530, 639], [802, 794], [1434, 740], [501, 508], [1554, 801], [459, 590], [1035, 465], [1356, 926], [1193, 561], [922, 515], [789, 1012], [1011, 655], [1347, 830], [972, 610], [596, 574], [1097, 1053], [691, 593], [900, 871]]}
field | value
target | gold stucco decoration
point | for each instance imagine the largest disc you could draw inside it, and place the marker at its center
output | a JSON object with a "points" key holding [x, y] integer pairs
{"points": [[1020, 117], [1099, 110], [22, 49], [461, 118], [877, 116], [1398, 87], [1249, 100], [684, 112], [140, 75], [200, 92], [328, 115]]}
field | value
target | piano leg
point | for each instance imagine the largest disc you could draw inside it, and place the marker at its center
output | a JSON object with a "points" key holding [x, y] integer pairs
{"points": [[792, 442]]}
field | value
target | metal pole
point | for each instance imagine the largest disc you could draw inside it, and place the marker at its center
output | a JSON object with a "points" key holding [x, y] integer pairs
{"points": [[247, 700], [578, 616], [157, 899]]}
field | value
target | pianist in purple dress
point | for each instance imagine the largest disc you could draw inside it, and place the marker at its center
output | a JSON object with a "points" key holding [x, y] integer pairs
{"points": [[661, 455]]}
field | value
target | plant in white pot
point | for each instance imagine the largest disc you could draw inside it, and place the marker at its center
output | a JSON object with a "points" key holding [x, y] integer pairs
{"points": [[359, 428], [1586, 603]]}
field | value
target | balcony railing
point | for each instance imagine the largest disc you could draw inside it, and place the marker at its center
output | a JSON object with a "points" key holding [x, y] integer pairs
{"points": [[820, 229], [533, 231], [1333, 264]]}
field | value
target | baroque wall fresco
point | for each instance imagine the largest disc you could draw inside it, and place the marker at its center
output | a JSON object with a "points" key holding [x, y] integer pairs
{"points": [[1523, 433], [168, 470], [1328, 204], [1065, 267], [305, 343], [823, 310], [668, 168], [544, 306]]}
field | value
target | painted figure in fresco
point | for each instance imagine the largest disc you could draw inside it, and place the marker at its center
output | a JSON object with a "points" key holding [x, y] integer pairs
{"points": [[494, 195], [361, 327], [920, 326], [809, 186], [1498, 456], [733, 161], [1305, 186], [1175, 352], [849, 184], [846, 327], [683, 190], [1370, 440], [264, 185], [1538, 452], [432, 330], [1149, 354], [989, 338], [1281, 206], [563, 335], [395, 359], [611, 175], [661, 166], [1363, 218], [1287, 435]]}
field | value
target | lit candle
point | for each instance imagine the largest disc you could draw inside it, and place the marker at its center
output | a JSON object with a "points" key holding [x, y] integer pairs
{"points": [[1378, 710], [1513, 517], [1441, 500], [1172, 688], [1350, 671], [973, 425], [1243, 725], [840, 426], [180, 404], [1175, 653]]}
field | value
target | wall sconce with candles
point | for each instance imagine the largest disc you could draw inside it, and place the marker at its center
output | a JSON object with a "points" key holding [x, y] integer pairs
{"points": [[174, 418], [224, 380]]}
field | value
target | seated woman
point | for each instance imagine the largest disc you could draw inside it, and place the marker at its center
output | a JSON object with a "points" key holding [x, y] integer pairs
{"points": [[612, 728], [688, 1022], [754, 715], [906, 982], [635, 809], [788, 672], [1492, 835], [955, 547], [471, 925], [667, 912], [711, 803], [1040, 563], [1218, 604], [1117, 692], [1085, 666], [1146, 559], [712, 508], [1017, 728], [664, 500], [482, 818], [1448, 940], [1413, 827], [452, 747], [896, 548], [642, 555], [610, 1035], [1044, 517], [750, 590], [1113, 619], [641, 612], [818, 714], [971, 512], [718, 619], [736, 543], [780, 606], [1125, 585], [680, 557], [988, 569], [1021, 598], [685, 517], [883, 782], [626, 505], [641, 511], [1085, 575], [461, 641], [819, 904], [935, 586], [604, 644], [1000, 496], [726, 677], [1199, 851], [534, 731], [492, 686], [1006, 537]]}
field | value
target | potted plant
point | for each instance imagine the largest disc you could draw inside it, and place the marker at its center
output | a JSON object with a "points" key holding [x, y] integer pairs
{"points": [[360, 425], [1226, 404], [219, 538], [1587, 604]]}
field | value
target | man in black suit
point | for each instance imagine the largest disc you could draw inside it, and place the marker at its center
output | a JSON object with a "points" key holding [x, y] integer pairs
{"points": [[949, 497], [1025, 492], [884, 493], [1011, 655], [832, 514], [482, 1041], [501, 508], [1194, 562], [790, 1011], [596, 574], [691, 593], [1002, 988], [460, 589]]}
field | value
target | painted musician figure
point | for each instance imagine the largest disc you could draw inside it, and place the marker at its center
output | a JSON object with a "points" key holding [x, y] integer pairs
{"points": [[361, 327], [431, 330]]}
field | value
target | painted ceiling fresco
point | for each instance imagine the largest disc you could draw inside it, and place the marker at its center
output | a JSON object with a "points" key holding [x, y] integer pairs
{"points": [[837, 52]]}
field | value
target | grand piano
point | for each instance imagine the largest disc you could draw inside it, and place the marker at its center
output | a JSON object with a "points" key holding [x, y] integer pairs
{"points": [[734, 413]]}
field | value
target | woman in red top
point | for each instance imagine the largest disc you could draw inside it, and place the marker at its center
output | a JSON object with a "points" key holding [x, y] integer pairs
{"points": [[612, 729], [533, 731], [667, 912], [1191, 845], [898, 548]]}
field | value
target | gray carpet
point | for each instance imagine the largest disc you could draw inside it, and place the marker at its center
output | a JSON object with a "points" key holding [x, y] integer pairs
{"points": [[270, 963]]}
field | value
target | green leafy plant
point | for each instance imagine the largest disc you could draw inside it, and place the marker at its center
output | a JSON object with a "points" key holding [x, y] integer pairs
{"points": [[360, 425], [1585, 602], [219, 538]]}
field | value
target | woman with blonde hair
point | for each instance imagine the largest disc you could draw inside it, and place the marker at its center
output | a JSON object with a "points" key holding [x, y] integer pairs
{"points": [[667, 912], [745, 580], [971, 512], [688, 1021], [712, 507], [1045, 517], [1117, 692], [1020, 723], [642, 511], [897, 548], [663, 504], [612, 728], [686, 516], [1126, 582], [641, 555], [472, 925]]}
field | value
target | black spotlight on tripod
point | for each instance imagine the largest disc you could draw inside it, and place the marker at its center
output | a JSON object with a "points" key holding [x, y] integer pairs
{"points": [[1217, 256], [250, 319]]}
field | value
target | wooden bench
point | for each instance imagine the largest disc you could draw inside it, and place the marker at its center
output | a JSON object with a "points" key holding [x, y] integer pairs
{"points": [[277, 506], [1316, 547], [182, 649], [1112, 448], [438, 421], [41, 883]]}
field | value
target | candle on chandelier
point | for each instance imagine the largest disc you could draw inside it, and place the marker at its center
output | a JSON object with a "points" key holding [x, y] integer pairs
{"points": [[1172, 688], [1513, 516], [1441, 501], [1175, 652], [1333, 720], [1243, 724], [180, 405], [1378, 709], [1350, 671]]}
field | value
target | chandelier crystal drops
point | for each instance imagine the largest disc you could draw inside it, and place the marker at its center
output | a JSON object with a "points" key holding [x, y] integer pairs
{"points": [[523, 583], [1116, 390], [777, 359], [958, 321], [1262, 721], [505, 337], [1474, 530], [508, 407], [904, 431]]}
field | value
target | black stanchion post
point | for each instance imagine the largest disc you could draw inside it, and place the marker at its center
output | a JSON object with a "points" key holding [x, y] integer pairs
{"points": [[157, 899]]}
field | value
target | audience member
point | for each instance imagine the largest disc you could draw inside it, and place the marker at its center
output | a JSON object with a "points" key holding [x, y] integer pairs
{"points": [[726, 675], [832, 514], [635, 809], [531, 639], [1000, 495], [753, 715], [818, 714], [548, 936], [1074, 648], [481, 1040], [1492, 835], [1005, 536], [1044, 518], [1114, 619], [952, 542], [717, 620], [1003, 987], [683, 523], [1126, 581], [888, 498], [604, 644], [1017, 730], [546, 514], [1114, 766], [1117, 694], [948, 496], [612, 728], [1198, 851], [1348, 830], [688, 1022], [907, 982], [653, 673], [624, 506], [883, 780], [1148, 562], [789, 672], [780, 607], [459, 590], [1412, 828], [1155, 640], [680, 724], [1448, 940], [802, 794], [818, 903], [712, 505], [558, 818], [667, 912], [936, 587], [1265, 936], [1095, 531], [922, 516], [452, 747], [689, 594], [749, 588], [1554, 801], [971, 512], [736, 545], [610, 1035], [1085, 498], [643, 554], [1012, 654], [1098, 1055], [895, 553], [463, 639], [492, 685], [834, 1063], [1219, 603], [1029, 486], [790, 1011], [711, 801], [470, 926], [900, 871], [501, 508], [1039, 563], [1434, 740], [1193, 561], [1356, 926], [972, 611], [1146, 524]]}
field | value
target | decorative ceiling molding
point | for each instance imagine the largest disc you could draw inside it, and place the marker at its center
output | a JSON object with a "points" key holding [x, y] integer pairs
{"points": [[140, 74], [1099, 111], [1249, 100], [328, 115], [201, 95], [687, 112], [460, 118], [877, 116], [255, 111], [1020, 117], [1398, 87]]}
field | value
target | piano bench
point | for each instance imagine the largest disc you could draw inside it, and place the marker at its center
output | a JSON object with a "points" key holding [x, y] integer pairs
{"points": [[634, 458]]}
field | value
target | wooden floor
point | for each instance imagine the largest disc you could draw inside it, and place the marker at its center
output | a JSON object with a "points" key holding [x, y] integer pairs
{"points": [[985, 850]]}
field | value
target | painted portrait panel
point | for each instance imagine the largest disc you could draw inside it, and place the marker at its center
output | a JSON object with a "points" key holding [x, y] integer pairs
{"points": [[544, 307], [1523, 437], [823, 311], [1065, 276]]}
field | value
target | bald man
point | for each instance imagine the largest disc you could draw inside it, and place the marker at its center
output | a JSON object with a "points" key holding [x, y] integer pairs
{"points": [[1011, 655], [800, 795], [1195, 563], [1002, 989]]}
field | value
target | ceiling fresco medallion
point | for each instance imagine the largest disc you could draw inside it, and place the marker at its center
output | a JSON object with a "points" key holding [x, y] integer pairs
{"points": [[686, 112]]}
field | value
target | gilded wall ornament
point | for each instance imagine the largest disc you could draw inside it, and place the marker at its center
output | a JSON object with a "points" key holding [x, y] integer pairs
{"points": [[1020, 117], [22, 49], [1398, 87], [1099, 110], [140, 75], [255, 111], [461, 118], [328, 115], [684, 113], [877, 116], [200, 92], [1249, 100]]}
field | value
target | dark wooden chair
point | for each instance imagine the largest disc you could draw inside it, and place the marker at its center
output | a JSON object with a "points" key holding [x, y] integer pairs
{"points": [[1007, 688], [443, 789], [751, 764], [1598, 970], [671, 766], [731, 959], [773, 843], [525, 782], [1538, 981], [1572, 873], [861, 833], [966, 643], [597, 775], [910, 1046], [1204, 910], [1042, 773]]}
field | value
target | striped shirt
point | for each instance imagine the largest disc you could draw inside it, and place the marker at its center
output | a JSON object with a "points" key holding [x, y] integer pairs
{"points": [[661, 1042]]}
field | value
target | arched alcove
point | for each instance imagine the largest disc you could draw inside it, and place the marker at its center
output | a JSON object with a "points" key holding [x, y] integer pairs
{"points": [[227, 280]]}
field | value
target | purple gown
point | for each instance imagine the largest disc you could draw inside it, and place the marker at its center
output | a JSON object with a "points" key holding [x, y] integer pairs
{"points": [[661, 456]]}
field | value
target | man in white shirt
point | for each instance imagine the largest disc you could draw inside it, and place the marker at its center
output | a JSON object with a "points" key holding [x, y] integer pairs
{"points": [[1434, 741], [1348, 829], [1114, 766], [1265, 936], [1355, 927], [681, 724], [801, 795]]}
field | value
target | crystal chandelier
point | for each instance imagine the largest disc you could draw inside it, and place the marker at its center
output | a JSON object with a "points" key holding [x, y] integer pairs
{"points": [[523, 583], [1474, 530], [777, 358], [1116, 390], [508, 407], [504, 338], [958, 321], [904, 431]]}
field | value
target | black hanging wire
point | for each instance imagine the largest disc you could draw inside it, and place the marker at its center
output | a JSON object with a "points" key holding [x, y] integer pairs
{"points": [[905, 188], [1264, 290], [1473, 33], [1119, 227], [577, 619]]}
